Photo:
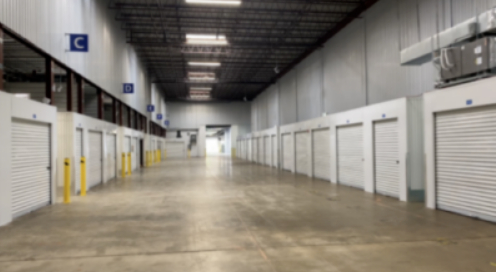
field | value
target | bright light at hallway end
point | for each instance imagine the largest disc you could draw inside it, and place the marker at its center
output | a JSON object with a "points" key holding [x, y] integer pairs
{"points": [[214, 2]]}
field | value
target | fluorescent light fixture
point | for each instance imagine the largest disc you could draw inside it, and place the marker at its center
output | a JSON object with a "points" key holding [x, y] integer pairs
{"points": [[206, 39], [208, 64], [200, 89], [215, 2], [201, 74], [202, 78]]}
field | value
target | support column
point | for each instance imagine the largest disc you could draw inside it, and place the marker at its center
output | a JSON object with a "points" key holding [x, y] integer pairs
{"points": [[49, 80], [80, 95], [114, 110], [1, 58], [99, 94], [69, 90]]}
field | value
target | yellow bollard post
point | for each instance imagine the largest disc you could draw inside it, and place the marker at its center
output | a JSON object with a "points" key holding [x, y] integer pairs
{"points": [[67, 181], [83, 176], [233, 153], [123, 170], [189, 154], [129, 164]]}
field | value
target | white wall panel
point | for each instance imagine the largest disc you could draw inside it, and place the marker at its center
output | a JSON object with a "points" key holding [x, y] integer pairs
{"points": [[344, 69], [287, 99], [309, 87]]}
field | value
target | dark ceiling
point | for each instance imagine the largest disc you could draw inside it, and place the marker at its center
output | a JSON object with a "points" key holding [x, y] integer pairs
{"points": [[262, 35]]}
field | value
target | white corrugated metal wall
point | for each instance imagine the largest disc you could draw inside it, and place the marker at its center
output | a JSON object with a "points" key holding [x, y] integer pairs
{"points": [[360, 65]]}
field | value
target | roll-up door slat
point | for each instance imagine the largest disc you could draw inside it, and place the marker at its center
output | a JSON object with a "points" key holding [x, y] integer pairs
{"points": [[95, 161], [302, 152], [322, 154], [111, 156], [287, 152], [79, 154], [386, 158], [350, 155], [175, 150], [465, 162], [267, 150], [31, 160]]}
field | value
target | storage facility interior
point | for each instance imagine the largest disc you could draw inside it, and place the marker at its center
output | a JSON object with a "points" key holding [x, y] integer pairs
{"points": [[248, 135]]}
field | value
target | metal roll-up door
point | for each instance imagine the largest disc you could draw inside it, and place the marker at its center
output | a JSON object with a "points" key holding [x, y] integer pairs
{"points": [[111, 156], [321, 150], [274, 150], [302, 152], [95, 162], [176, 150], [134, 154], [31, 166], [260, 151], [79, 154], [254, 147], [287, 152], [249, 149], [466, 162], [386, 158], [267, 149], [350, 156], [127, 144]]}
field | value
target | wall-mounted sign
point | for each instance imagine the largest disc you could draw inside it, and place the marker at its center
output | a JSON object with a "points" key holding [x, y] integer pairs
{"points": [[150, 108], [383, 116], [469, 102], [79, 42], [128, 88], [160, 116], [167, 122]]}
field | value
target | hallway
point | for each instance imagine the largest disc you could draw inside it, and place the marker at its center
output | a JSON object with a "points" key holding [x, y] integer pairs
{"points": [[223, 215]]}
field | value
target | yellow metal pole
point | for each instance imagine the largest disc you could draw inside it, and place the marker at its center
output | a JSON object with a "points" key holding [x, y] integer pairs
{"points": [[233, 152], [123, 171], [67, 181], [83, 176], [129, 163], [189, 153]]}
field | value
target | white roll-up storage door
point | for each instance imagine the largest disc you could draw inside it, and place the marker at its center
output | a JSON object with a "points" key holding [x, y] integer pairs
{"points": [[321, 150], [31, 166], [466, 162], [79, 154], [260, 151], [287, 152], [386, 158], [95, 163], [302, 152], [134, 153], [111, 156], [350, 156], [127, 144], [274, 150], [254, 147], [267, 149], [250, 151], [176, 150]]}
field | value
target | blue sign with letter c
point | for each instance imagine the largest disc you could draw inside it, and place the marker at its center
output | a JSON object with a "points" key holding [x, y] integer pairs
{"points": [[79, 43]]}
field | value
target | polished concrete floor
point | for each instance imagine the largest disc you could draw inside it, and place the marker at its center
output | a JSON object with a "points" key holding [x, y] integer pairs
{"points": [[222, 215]]}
